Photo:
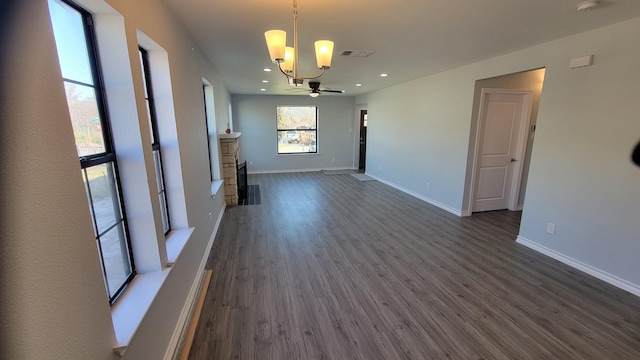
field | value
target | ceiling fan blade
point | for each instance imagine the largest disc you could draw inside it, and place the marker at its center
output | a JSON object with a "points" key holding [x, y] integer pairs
{"points": [[332, 91]]}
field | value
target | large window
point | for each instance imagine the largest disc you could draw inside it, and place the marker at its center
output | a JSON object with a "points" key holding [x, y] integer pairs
{"points": [[155, 139], [77, 54], [297, 128]]}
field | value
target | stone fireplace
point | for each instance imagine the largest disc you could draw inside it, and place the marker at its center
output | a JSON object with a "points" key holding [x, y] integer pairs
{"points": [[229, 150]]}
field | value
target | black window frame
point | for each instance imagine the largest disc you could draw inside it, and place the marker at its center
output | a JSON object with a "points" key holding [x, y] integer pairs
{"points": [[285, 130], [106, 157], [206, 131], [155, 142]]}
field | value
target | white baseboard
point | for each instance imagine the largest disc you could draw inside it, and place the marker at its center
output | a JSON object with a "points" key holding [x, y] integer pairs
{"points": [[284, 171], [579, 265], [419, 196], [179, 332]]}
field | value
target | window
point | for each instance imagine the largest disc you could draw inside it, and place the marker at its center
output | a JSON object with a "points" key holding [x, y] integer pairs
{"points": [[211, 132], [77, 54], [297, 128], [206, 124], [155, 140]]}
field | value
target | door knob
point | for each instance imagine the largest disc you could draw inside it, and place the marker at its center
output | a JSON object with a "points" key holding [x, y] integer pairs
{"points": [[513, 160]]}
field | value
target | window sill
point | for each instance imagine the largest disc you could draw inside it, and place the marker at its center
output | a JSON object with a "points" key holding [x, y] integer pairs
{"points": [[129, 311], [215, 187], [299, 154]]}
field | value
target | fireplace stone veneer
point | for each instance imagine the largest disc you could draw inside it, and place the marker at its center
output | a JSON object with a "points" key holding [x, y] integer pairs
{"points": [[229, 150]]}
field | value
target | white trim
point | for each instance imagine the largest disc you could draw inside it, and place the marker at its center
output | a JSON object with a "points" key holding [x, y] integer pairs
{"points": [[283, 171], [519, 207], [130, 310], [579, 265], [516, 179], [419, 196], [180, 330]]}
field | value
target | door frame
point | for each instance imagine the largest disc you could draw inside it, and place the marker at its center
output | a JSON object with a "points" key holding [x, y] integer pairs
{"points": [[525, 123], [362, 129], [356, 135]]}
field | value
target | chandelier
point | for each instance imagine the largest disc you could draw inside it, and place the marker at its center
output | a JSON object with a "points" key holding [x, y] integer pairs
{"points": [[287, 57]]}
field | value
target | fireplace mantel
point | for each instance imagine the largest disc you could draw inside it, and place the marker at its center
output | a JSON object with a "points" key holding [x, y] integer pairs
{"points": [[233, 135]]}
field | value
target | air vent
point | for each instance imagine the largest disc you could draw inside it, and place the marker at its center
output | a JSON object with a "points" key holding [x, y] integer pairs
{"points": [[356, 53]]}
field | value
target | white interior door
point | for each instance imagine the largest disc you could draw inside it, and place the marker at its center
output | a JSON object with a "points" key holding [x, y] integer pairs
{"points": [[503, 122]]}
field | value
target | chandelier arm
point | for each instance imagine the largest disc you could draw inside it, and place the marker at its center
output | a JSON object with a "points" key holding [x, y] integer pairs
{"points": [[280, 68], [313, 77]]}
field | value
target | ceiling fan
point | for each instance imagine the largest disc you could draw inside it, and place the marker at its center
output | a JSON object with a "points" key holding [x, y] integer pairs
{"points": [[315, 89]]}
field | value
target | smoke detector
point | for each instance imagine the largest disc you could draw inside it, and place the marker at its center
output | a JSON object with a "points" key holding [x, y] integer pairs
{"points": [[588, 5]]}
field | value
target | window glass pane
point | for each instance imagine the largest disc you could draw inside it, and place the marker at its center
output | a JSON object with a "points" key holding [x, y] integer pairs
{"points": [[69, 32], [85, 118], [86, 188], [144, 74], [296, 117], [104, 196], [296, 141], [117, 266], [151, 125], [297, 129], [157, 162], [163, 210]]}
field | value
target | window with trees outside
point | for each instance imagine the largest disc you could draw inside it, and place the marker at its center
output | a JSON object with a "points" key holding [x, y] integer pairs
{"points": [[297, 128], [155, 139], [73, 31]]}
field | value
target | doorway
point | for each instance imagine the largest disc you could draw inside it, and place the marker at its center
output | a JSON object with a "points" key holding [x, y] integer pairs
{"points": [[529, 82], [363, 142], [503, 122]]}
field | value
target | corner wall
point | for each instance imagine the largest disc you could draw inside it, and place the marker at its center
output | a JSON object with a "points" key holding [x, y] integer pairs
{"points": [[255, 117], [581, 177]]}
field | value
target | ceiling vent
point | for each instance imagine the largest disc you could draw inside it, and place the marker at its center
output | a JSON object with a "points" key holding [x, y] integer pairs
{"points": [[356, 53]]}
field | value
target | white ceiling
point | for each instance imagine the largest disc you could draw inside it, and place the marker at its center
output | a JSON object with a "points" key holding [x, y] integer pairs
{"points": [[409, 38]]}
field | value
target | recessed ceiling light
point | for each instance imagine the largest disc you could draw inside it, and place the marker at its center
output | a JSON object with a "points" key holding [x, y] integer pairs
{"points": [[358, 85], [265, 81], [263, 89], [384, 75], [588, 5], [267, 69]]}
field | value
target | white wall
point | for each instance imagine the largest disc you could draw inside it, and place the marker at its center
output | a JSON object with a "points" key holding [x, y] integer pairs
{"points": [[580, 177], [53, 299], [255, 117]]}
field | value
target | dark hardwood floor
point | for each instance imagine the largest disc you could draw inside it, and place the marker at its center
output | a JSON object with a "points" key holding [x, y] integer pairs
{"points": [[328, 267]]}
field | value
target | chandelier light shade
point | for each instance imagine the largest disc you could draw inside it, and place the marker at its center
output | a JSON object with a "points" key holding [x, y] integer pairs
{"points": [[287, 64], [276, 42], [324, 52], [287, 57]]}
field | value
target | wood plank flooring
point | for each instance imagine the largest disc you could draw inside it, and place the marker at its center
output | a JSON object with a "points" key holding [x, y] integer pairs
{"points": [[328, 267]]}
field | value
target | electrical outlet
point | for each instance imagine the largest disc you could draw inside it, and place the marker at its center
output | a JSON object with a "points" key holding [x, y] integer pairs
{"points": [[333, 160], [210, 218], [428, 186], [250, 163], [551, 228]]}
